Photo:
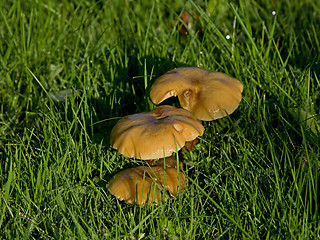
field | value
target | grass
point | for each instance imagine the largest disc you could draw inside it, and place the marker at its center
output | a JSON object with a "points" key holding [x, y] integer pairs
{"points": [[70, 69]]}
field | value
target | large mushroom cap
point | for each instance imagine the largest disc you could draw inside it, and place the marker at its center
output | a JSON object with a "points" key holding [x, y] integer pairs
{"points": [[145, 184], [155, 134], [208, 95]]}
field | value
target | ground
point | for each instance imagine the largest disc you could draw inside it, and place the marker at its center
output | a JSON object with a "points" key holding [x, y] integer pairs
{"points": [[69, 70]]}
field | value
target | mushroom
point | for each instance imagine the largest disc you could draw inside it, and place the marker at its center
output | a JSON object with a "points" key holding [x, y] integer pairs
{"points": [[208, 95], [134, 185], [155, 134], [143, 185]]}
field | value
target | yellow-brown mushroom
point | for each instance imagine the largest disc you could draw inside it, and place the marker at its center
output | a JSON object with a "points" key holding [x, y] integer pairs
{"points": [[208, 95], [155, 134], [142, 185]]}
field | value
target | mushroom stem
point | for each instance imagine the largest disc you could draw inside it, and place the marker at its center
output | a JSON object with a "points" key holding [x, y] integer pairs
{"points": [[151, 162], [190, 145], [171, 161]]}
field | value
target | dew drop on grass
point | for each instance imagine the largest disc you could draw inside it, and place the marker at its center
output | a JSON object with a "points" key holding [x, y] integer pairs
{"points": [[274, 13], [228, 37]]}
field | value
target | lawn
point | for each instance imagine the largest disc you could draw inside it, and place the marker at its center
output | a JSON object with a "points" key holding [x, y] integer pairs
{"points": [[69, 70]]}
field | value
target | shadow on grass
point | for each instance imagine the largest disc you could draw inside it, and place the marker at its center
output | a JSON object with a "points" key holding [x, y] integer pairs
{"points": [[128, 93]]}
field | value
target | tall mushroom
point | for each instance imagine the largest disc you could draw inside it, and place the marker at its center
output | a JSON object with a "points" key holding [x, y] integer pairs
{"points": [[155, 134], [208, 95]]}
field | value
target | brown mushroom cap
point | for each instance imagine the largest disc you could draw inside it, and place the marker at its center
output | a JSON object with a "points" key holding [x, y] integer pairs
{"points": [[134, 185], [173, 183], [155, 134], [208, 95], [145, 184]]}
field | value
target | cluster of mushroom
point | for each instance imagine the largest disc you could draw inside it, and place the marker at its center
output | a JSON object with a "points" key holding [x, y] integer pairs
{"points": [[203, 95]]}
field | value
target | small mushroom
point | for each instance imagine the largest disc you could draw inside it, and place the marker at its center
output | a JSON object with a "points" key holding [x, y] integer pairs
{"points": [[208, 95], [134, 185], [155, 134], [143, 185]]}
